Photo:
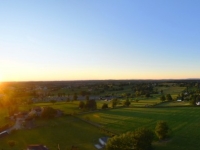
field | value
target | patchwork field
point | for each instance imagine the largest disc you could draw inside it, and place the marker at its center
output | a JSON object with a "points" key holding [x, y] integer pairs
{"points": [[174, 103], [184, 123], [173, 90]]}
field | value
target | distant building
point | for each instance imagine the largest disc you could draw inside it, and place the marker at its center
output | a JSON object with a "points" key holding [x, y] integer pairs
{"points": [[102, 142]]}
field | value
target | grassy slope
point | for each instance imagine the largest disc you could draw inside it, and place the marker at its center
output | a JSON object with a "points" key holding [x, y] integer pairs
{"points": [[184, 123]]}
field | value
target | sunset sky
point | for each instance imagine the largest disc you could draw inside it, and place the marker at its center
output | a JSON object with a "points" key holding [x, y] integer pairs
{"points": [[99, 39]]}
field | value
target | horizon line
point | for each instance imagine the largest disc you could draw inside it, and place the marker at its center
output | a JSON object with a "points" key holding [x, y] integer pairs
{"points": [[100, 80]]}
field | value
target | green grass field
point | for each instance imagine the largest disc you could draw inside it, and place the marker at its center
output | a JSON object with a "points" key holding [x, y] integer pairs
{"points": [[65, 131], [184, 123], [173, 90], [175, 103]]}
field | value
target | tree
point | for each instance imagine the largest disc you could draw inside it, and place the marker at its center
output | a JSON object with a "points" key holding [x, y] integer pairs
{"points": [[162, 98], [127, 102], [168, 97], [114, 103], [91, 104], [147, 95], [161, 129], [121, 142], [140, 139], [193, 101], [75, 97], [48, 112], [81, 105], [104, 106], [143, 138]]}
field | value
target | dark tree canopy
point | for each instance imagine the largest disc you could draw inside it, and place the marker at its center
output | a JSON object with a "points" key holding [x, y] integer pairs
{"points": [[104, 106], [81, 105], [162, 98], [75, 97], [48, 112], [91, 104], [140, 139], [127, 102], [161, 130], [114, 103], [168, 97]]}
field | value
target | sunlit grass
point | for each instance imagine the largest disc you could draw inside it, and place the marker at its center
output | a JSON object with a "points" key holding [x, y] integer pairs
{"points": [[183, 121]]}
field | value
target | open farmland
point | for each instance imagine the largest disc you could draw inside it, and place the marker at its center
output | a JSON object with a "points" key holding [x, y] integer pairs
{"points": [[184, 123], [65, 131], [173, 90]]}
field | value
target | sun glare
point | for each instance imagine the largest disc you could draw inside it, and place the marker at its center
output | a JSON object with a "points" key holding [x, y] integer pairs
{"points": [[1, 78]]}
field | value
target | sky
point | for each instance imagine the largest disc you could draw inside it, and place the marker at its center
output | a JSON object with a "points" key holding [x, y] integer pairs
{"points": [[99, 39]]}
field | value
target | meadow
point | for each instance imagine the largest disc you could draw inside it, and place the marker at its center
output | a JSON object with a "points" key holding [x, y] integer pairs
{"points": [[65, 131], [183, 121], [68, 130]]}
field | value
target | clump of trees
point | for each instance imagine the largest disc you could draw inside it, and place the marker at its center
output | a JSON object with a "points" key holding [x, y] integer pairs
{"points": [[81, 105], [167, 97], [48, 112], [126, 102], [194, 99], [140, 139], [88, 105], [114, 103]]}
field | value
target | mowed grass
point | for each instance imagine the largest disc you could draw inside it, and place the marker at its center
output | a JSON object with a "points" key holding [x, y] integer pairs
{"points": [[183, 121], [65, 131], [175, 103], [66, 107]]}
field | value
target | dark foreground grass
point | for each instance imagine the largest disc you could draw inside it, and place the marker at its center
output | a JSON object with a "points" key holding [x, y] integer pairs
{"points": [[184, 123], [65, 131]]}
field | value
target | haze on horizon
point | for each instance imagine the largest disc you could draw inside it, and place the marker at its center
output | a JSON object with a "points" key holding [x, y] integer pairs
{"points": [[86, 39]]}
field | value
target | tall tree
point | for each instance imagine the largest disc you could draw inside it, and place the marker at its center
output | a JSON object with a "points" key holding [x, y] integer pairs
{"points": [[161, 130], [81, 105], [162, 98], [168, 97], [114, 103], [127, 102], [91, 104], [75, 96]]}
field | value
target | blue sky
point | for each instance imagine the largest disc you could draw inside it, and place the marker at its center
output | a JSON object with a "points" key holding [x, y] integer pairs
{"points": [[99, 39]]}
